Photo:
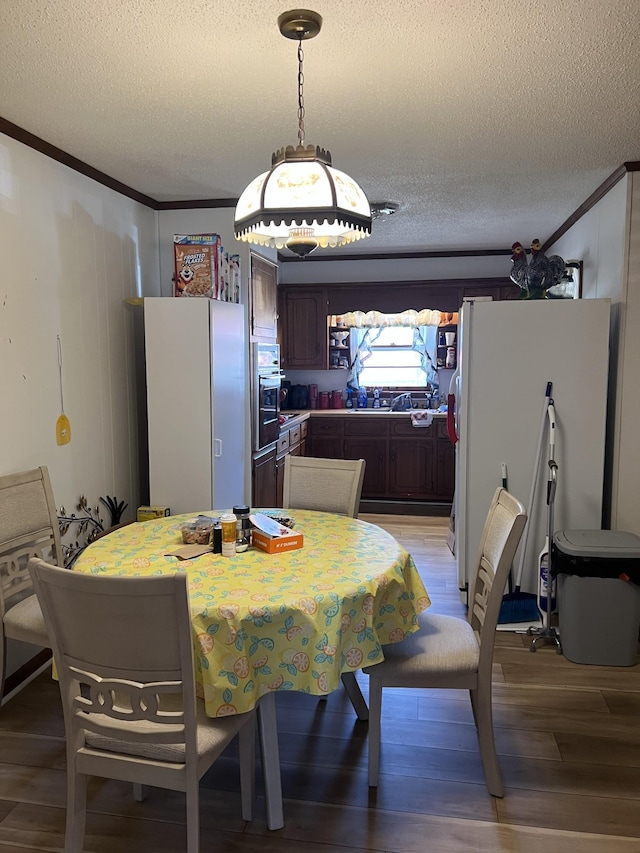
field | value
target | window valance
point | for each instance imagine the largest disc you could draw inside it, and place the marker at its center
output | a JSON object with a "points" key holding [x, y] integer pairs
{"points": [[413, 319]]}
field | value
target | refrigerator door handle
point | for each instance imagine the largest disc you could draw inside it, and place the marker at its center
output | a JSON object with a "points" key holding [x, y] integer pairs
{"points": [[451, 408], [217, 447], [451, 426]]}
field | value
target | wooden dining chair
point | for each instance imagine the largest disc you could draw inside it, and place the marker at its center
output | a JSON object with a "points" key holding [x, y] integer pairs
{"points": [[28, 528], [327, 485], [449, 652], [123, 651]]}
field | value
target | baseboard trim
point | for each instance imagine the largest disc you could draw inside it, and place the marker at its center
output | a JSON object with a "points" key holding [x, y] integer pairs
{"points": [[19, 679], [387, 507]]}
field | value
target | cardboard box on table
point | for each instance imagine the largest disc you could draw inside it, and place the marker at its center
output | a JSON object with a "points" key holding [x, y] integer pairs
{"points": [[146, 513], [273, 538]]}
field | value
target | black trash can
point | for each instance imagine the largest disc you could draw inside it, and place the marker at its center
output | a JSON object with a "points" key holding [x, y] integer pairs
{"points": [[598, 577]]}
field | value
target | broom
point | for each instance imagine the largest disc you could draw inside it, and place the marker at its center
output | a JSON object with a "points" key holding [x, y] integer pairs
{"points": [[518, 606]]}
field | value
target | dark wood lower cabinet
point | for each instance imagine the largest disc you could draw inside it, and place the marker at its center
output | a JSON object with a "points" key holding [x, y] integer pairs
{"points": [[445, 462], [264, 479], [268, 466], [374, 452], [402, 461], [411, 468]]}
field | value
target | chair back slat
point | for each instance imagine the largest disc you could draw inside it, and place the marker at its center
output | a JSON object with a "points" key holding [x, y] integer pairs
{"points": [[123, 651]]}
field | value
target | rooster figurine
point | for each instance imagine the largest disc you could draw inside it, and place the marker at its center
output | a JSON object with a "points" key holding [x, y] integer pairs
{"points": [[539, 275]]}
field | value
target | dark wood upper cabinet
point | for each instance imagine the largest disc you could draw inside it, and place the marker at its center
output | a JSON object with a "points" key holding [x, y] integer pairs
{"points": [[304, 328], [264, 298]]}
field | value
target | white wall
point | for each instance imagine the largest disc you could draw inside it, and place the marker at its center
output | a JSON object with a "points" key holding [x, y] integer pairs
{"points": [[625, 510], [72, 252], [607, 240]]}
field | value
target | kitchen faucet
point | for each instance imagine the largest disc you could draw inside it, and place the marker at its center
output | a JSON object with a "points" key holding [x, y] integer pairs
{"points": [[401, 402]]}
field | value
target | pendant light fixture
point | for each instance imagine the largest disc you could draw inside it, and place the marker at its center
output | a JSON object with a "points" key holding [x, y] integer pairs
{"points": [[302, 202]]}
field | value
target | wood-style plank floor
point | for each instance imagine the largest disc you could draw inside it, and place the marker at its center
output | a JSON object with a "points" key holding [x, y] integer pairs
{"points": [[567, 736]]}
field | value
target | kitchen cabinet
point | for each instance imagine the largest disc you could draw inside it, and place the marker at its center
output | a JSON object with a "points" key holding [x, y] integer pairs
{"points": [[304, 308], [304, 431], [363, 440], [264, 491], [263, 298], [445, 462], [304, 328], [292, 442], [402, 461], [411, 460], [327, 437]]}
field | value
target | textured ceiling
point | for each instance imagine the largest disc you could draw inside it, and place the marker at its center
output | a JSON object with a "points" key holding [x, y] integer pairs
{"points": [[489, 121]]}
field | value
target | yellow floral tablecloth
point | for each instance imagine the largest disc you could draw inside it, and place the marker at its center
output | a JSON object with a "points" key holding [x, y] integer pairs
{"points": [[292, 621]]}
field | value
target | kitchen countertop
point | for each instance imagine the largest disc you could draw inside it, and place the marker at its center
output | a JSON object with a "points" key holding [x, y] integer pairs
{"points": [[297, 417]]}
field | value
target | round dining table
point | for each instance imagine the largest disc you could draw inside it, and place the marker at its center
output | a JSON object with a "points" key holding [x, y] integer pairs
{"points": [[263, 622]]}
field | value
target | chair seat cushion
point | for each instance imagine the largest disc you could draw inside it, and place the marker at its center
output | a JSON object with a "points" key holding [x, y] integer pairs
{"points": [[25, 622], [213, 735], [444, 646]]}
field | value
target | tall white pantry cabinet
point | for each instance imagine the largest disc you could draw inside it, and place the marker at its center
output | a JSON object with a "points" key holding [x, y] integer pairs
{"points": [[195, 356]]}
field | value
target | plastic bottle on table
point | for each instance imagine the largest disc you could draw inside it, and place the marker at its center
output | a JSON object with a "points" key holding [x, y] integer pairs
{"points": [[228, 522]]}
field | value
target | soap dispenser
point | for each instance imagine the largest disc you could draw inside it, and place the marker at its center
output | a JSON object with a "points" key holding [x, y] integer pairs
{"points": [[349, 401]]}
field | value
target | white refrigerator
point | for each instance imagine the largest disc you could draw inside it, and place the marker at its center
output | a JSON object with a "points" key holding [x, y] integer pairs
{"points": [[196, 403], [507, 353]]}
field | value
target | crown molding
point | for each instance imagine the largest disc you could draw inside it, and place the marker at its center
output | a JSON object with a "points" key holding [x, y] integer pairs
{"points": [[594, 198], [60, 156]]}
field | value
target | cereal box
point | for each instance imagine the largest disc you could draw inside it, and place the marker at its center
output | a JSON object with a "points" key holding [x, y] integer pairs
{"points": [[197, 265]]}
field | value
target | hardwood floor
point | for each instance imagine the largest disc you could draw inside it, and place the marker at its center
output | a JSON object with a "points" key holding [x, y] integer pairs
{"points": [[567, 737]]}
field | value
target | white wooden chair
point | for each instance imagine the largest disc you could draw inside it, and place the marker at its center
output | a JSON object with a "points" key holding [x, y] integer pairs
{"points": [[448, 652], [124, 657], [327, 485], [28, 528]]}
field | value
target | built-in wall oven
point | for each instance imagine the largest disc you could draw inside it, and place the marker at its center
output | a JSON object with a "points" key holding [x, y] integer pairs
{"points": [[267, 380]]}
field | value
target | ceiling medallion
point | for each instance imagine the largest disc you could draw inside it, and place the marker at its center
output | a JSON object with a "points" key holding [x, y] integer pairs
{"points": [[302, 202]]}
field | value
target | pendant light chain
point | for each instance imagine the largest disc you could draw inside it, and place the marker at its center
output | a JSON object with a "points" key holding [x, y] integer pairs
{"points": [[300, 95], [301, 203]]}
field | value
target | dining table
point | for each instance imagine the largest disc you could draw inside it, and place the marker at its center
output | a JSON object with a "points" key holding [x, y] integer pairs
{"points": [[303, 620]]}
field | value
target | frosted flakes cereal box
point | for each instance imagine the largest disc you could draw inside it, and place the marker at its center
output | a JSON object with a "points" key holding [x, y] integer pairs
{"points": [[197, 265]]}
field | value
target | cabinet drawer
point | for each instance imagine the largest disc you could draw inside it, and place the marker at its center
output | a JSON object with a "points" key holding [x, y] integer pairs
{"points": [[327, 426], [283, 444], [294, 436], [405, 428], [363, 425], [304, 429]]}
